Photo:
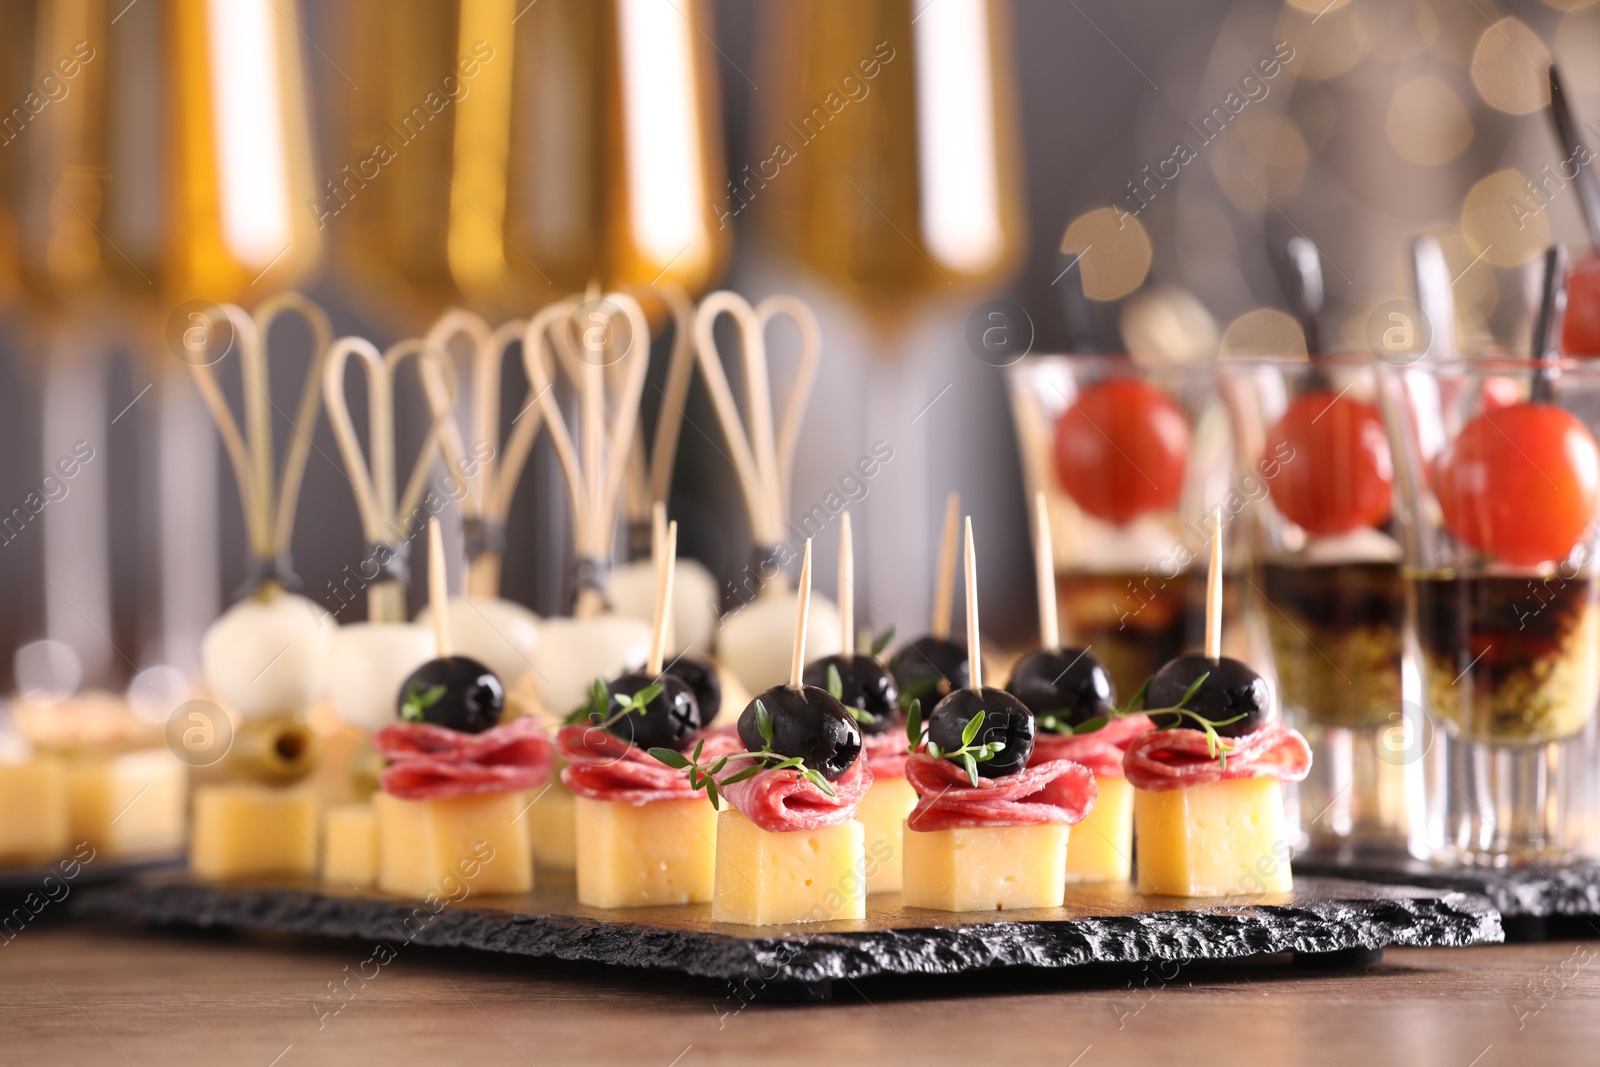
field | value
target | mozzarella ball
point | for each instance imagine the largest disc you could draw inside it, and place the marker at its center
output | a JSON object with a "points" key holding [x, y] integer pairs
{"points": [[267, 657], [500, 634], [757, 641], [368, 662], [572, 653], [632, 592]]}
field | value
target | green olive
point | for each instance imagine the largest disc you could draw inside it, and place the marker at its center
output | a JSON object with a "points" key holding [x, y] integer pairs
{"points": [[278, 750]]}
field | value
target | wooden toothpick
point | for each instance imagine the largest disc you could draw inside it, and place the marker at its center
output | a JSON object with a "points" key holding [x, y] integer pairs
{"points": [[666, 564], [438, 591], [944, 579], [1044, 565], [974, 655], [847, 587], [802, 616], [1214, 591]]}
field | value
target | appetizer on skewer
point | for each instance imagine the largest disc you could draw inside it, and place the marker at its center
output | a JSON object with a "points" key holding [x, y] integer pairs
{"points": [[1074, 703], [1208, 794], [482, 475], [865, 687], [935, 665], [368, 661], [265, 659], [989, 831], [789, 848], [753, 636], [452, 794], [645, 835]]}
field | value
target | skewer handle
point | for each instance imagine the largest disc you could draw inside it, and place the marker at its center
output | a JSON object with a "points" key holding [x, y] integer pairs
{"points": [[944, 579], [847, 588], [1214, 591], [797, 663], [1044, 566], [666, 564], [974, 653], [438, 591]]}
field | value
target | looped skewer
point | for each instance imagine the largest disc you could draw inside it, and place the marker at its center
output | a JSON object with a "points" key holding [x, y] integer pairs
{"points": [[488, 468], [373, 476], [269, 503], [594, 467], [762, 455], [649, 476]]}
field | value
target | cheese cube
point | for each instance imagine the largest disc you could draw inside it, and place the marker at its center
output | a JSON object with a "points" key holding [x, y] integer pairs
{"points": [[551, 826], [883, 813], [629, 855], [767, 879], [243, 830], [430, 846], [1100, 848], [1216, 839], [982, 868], [350, 846], [134, 804], [33, 811]]}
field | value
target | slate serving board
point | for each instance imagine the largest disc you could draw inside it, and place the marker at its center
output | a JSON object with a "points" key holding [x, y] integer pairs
{"points": [[1326, 920], [1534, 902]]}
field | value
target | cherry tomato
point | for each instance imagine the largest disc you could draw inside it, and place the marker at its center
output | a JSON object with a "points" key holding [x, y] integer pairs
{"points": [[1581, 334], [1121, 450], [1520, 483], [1341, 476]]}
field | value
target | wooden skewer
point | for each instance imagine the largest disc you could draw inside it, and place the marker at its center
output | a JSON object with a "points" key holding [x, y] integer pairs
{"points": [[802, 617], [974, 654], [1214, 591], [847, 587], [658, 548], [945, 577], [665, 565], [1044, 565], [438, 592]]}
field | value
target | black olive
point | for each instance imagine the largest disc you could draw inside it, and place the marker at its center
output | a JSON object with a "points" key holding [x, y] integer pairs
{"points": [[1230, 689], [1005, 718], [928, 669], [808, 723], [456, 692], [670, 720], [1069, 684], [703, 679], [866, 689]]}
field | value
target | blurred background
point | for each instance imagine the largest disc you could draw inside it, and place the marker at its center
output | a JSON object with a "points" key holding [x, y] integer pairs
{"points": [[900, 164]]}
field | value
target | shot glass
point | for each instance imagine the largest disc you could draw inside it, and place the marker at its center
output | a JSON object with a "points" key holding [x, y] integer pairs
{"points": [[1328, 590], [1131, 460], [1498, 468]]}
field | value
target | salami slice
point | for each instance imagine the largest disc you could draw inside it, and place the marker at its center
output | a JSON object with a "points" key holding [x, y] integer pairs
{"points": [[886, 753], [427, 762], [1177, 758], [1101, 751], [780, 801], [1057, 791], [602, 766]]}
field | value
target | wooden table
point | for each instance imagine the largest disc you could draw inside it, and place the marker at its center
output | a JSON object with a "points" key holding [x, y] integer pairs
{"points": [[111, 994]]}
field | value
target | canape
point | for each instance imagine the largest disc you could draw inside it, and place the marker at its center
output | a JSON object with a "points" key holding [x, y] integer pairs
{"points": [[989, 831]]}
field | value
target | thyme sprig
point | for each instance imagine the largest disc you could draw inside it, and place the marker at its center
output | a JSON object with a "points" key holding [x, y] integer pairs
{"points": [[419, 700], [703, 775], [968, 755], [601, 700], [1216, 747]]}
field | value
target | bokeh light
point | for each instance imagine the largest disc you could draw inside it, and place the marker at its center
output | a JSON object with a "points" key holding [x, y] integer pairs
{"points": [[1166, 324], [1503, 221], [1508, 68], [1428, 124], [1114, 249], [1265, 333]]}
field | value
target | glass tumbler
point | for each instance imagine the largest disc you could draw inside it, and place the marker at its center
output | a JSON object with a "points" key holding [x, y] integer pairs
{"points": [[1499, 475], [1131, 459], [1328, 589]]}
